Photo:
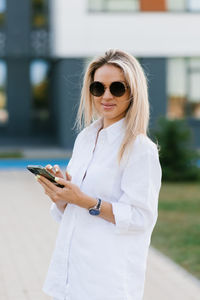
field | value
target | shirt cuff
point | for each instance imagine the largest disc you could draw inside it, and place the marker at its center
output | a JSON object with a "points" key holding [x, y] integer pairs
{"points": [[122, 213], [56, 213]]}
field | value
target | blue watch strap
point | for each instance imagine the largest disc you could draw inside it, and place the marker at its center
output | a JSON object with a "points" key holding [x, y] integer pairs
{"points": [[98, 204], [95, 210]]}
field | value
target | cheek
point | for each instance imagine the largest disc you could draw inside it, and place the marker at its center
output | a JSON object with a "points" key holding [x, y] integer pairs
{"points": [[97, 103], [124, 103]]}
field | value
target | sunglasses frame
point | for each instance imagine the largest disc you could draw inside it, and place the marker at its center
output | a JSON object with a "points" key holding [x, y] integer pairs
{"points": [[122, 82]]}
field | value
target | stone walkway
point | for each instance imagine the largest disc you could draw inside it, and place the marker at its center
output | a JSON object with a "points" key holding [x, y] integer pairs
{"points": [[27, 239]]}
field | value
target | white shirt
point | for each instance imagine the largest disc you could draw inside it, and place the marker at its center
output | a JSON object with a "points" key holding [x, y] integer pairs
{"points": [[95, 259]]}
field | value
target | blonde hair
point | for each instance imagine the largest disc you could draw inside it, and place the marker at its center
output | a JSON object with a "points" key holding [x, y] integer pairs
{"points": [[137, 115]]}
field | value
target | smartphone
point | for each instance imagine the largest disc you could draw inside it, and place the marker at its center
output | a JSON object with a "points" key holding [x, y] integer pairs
{"points": [[39, 170]]}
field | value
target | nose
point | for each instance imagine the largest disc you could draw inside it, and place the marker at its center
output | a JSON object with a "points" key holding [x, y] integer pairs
{"points": [[107, 94]]}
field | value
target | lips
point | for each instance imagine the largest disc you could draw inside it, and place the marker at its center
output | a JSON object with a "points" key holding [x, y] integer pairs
{"points": [[106, 105]]}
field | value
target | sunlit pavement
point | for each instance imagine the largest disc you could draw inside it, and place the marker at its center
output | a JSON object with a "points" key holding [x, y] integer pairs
{"points": [[27, 239], [167, 281]]}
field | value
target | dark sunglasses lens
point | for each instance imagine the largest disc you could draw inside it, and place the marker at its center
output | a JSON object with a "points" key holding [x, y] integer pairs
{"points": [[117, 89], [96, 89]]}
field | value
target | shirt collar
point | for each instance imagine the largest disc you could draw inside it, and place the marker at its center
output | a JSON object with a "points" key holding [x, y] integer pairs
{"points": [[111, 132]]}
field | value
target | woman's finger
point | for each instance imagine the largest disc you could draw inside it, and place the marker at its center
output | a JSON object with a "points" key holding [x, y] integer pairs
{"points": [[68, 176], [48, 191], [47, 183], [50, 169], [58, 172]]}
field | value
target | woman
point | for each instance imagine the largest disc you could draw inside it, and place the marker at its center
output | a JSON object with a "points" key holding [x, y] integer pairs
{"points": [[108, 206]]}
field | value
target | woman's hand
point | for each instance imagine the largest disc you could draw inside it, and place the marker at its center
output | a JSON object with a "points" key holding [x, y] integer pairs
{"points": [[71, 193], [60, 196], [55, 170], [49, 190]]}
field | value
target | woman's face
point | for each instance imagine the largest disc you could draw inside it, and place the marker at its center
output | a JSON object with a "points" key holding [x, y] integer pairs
{"points": [[110, 107]]}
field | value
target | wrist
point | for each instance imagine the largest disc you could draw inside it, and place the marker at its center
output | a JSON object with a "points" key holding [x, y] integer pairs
{"points": [[61, 207], [86, 201], [96, 209]]}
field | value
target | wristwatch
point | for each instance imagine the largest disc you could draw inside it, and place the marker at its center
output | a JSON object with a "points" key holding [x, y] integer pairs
{"points": [[95, 210]]}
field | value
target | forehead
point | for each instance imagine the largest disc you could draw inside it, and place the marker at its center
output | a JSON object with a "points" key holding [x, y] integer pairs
{"points": [[109, 73]]}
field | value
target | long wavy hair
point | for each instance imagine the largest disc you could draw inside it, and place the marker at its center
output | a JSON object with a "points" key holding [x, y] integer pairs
{"points": [[137, 115]]}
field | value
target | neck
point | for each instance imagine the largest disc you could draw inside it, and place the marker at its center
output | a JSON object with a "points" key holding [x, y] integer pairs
{"points": [[107, 123]]}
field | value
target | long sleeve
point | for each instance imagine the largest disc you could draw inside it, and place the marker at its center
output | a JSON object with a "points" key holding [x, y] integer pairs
{"points": [[140, 184], [55, 212]]}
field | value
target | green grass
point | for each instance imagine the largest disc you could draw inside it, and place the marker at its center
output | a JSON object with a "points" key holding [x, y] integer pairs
{"points": [[177, 232], [15, 154]]}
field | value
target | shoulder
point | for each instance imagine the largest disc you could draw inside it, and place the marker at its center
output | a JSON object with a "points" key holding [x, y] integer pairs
{"points": [[80, 137], [143, 146], [82, 133], [86, 132], [143, 143]]}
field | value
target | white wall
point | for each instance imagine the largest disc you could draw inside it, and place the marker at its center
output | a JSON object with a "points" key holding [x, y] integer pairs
{"points": [[78, 33]]}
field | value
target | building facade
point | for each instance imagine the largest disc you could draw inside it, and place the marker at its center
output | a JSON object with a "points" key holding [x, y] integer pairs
{"points": [[45, 46]]}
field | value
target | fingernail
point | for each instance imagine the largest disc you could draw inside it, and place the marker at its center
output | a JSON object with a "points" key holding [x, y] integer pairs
{"points": [[56, 169], [50, 167], [37, 177], [56, 179]]}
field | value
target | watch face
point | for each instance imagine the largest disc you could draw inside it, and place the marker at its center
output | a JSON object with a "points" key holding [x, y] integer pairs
{"points": [[94, 212]]}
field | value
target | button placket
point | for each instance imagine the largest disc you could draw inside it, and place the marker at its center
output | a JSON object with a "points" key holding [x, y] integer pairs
{"points": [[88, 165], [92, 156]]}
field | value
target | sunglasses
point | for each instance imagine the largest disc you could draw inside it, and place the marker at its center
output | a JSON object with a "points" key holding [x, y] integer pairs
{"points": [[117, 88]]}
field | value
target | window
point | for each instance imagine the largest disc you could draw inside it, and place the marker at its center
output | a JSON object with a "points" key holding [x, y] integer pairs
{"points": [[39, 13], [2, 27], [176, 5], [193, 5], [144, 5], [3, 95], [113, 5], [194, 87], [40, 24], [39, 71], [176, 85], [2, 11], [183, 85]]}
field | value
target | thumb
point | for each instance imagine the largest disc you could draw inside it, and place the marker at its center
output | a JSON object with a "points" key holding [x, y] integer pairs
{"points": [[68, 176]]}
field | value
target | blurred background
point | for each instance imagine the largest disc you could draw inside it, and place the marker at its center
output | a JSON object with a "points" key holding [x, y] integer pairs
{"points": [[45, 45], [44, 49]]}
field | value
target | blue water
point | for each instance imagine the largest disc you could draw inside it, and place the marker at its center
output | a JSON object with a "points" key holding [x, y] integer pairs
{"points": [[22, 163]]}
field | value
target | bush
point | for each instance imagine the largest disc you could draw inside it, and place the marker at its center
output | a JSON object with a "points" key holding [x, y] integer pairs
{"points": [[177, 157], [13, 154]]}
